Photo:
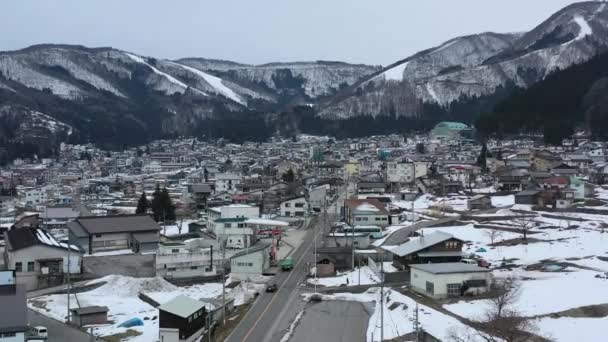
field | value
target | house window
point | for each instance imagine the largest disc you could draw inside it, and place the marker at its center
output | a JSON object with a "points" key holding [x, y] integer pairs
{"points": [[19, 267], [299, 205], [287, 205], [30, 266], [453, 290], [357, 219], [171, 269], [228, 225], [430, 288], [193, 267], [175, 250], [207, 269], [97, 235]]}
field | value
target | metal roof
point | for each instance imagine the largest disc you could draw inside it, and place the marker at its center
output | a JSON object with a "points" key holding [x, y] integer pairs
{"points": [[182, 306], [419, 243], [119, 223], [449, 267]]}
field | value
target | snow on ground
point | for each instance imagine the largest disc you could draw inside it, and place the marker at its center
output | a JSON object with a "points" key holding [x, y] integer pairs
{"points": [[575, 288], [568, 329], [292, 327], [120, 295], [116, 252], [172, 230], [350, 278], [215, 82], [399, 312], [432, 93], [503, 201]]}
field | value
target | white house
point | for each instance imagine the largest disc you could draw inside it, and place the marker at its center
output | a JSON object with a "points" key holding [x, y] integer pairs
{"points": [[178, 260], [227, 182], [35, 196], [317, 197], [452, 279], [250, 263], [38, 258], [400, 172], [152, 167], [294, 207]]}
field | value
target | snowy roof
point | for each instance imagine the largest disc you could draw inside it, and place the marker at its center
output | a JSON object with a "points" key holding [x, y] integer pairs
{"points": [[419, 243], [182, 306], [24, 237], [267, 222], [449, 267]]}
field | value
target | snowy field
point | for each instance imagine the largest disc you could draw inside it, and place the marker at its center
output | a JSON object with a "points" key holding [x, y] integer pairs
{"points": [[399, 311], [120, 295]]}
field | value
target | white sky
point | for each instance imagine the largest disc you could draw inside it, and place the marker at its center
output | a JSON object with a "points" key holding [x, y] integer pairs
{"points": [[261, 31]]}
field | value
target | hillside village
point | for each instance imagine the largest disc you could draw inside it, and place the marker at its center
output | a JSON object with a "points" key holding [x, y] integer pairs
{"points": [[178, 240]]}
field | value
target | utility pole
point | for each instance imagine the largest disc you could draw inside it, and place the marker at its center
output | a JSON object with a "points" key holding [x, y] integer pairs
{"points": [[69, 280], [382, 298], [223, 282]]}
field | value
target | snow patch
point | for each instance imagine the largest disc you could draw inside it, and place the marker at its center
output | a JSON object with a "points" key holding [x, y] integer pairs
{"points": [[585, 29], [395, 73], [429, 88], [215, 82]]}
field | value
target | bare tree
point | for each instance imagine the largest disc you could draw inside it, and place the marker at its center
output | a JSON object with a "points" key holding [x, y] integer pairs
{"points": [[525, 223], [502, 322], [493, 234]]}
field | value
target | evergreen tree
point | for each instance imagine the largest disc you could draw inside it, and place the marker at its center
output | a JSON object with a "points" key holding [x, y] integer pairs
{"points": [[288, 176], [156, 205], [420, 148], [168, 206], [482, 159], [142, 205]]}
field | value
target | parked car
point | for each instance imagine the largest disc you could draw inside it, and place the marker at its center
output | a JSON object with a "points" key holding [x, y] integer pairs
{"points": [[286, 264], [271, 288], [39, 332]]}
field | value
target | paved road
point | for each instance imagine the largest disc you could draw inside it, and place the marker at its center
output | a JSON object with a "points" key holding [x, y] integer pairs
{"points": [[58, 332], [333, 321], [271, 314]]}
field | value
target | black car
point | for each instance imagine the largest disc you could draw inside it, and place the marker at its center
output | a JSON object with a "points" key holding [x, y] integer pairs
{"points": [[271, 288]]}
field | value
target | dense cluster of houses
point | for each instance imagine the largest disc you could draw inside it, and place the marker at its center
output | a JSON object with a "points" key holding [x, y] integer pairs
{"points": [[58, 216]]}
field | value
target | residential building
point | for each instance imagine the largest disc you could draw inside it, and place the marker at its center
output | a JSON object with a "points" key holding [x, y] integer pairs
{"points": [[38, 259], [250, 263], [365, 212], [400, 172], [479, 202], [294, 207], [181, 319], [582, 189], [13, 309], [227, 182], [436, 247], [180, 261], [454, 279], [89, 315], [139, 233]]}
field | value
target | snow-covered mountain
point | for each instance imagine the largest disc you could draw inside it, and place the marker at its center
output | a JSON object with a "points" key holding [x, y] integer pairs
{"points": [[97, 90], [477, 65]]}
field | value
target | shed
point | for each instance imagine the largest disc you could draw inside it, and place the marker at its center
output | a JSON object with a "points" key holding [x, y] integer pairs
{"points": [[527, 197], [89, 315], [452, 279], [479, 202]]}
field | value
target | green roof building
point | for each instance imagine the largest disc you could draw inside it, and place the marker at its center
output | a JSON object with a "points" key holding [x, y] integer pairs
{"points": [[449, 130]]}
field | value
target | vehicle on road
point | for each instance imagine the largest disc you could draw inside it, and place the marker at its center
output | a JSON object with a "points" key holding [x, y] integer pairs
{"points": [[316, 297], [271, 288], [39, 332], [286, 264]]}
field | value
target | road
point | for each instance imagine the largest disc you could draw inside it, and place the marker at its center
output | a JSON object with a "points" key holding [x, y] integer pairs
{"points": [[334, 321], [271, 314], [58, 332]]}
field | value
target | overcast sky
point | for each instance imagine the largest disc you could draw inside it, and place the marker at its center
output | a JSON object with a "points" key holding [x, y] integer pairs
{"points": [[260, 31]]}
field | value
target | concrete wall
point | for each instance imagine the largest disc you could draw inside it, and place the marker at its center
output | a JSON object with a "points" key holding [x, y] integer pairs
{"points": [[168, 335], [365, 220]]}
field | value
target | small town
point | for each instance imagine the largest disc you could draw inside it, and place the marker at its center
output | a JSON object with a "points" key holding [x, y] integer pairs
{"points": [[416, 237]]}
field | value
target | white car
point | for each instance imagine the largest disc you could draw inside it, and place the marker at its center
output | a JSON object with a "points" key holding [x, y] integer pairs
{"points": [[39, 332]]}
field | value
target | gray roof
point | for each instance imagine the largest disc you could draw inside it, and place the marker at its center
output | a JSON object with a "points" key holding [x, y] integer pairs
{"points": [[204, 188], [87, 310], [120, 223], [146, 237], [440, 254], [13, 311], [255, 248], [449, 267], [182, 306], [60, 212], [417, 244]]}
